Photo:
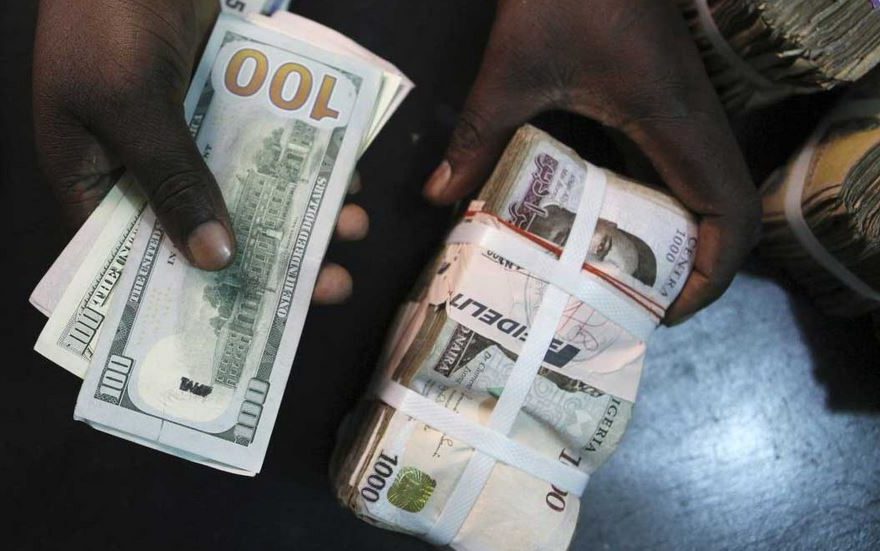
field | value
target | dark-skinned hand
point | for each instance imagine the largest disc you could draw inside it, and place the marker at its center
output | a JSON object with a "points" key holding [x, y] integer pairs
{"points": [[110, 78], [632, 66]]}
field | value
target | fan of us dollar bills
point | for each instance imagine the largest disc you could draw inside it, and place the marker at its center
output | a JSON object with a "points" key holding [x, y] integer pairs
{"points": [[195, 363]]}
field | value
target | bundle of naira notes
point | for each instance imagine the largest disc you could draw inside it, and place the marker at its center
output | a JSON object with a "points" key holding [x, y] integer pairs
{"points": [[195, 363], [511, 372], [760, 51], [822, 210]]}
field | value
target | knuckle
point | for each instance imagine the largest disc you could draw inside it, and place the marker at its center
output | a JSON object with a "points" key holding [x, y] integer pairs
{"points": [[122, 91], [468, 135], [107, 97], [666, 99], [177, 192], [134, 90], [671, 95], [136, 83], [77, 189], [514, 67]]}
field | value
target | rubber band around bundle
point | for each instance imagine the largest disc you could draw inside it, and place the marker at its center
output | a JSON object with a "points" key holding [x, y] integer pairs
{"points": [[477, 436], [587, 286], [648, 303], [793, 202]]}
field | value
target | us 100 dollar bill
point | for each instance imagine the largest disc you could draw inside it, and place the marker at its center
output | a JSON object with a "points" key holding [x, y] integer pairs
{"points": [[195, 363], [77, 290]]}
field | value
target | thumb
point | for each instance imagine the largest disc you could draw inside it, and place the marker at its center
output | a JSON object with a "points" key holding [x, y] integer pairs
{"points": [[161, 154], [492, 113]]}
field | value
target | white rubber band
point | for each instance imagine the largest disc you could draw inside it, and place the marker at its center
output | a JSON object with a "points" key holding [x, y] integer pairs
{"points": [[552, 305], [794, 213], [586, 287], [741, 67], [482, 438]]}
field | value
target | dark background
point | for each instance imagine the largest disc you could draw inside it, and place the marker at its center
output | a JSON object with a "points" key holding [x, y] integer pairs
{"points": [[757, 422]]}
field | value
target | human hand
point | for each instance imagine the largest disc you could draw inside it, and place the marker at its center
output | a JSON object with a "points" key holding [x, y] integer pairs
{"points": [[110, 78], [632, 66]]}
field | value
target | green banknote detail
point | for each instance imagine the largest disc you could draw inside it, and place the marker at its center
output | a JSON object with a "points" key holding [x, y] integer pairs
{"points": [[411, 489]]}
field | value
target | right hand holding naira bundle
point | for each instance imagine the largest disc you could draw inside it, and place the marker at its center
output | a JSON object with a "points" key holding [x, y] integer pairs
{"points": [[632, 66], [505, 348]]}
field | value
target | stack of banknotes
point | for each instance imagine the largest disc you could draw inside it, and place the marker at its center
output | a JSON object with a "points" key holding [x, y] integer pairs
{"points": [[458, 338], [195, 363], [822, 211], [760, 51]]}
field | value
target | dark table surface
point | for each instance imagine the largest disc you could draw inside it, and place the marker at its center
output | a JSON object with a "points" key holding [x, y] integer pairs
{"points": [[756, 427]]}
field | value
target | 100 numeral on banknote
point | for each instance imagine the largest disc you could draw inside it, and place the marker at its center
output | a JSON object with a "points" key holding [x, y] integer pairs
{"points": [[193, 362]]}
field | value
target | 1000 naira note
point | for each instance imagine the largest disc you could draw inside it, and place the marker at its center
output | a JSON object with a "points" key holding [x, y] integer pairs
{"points": [[195, 363]]}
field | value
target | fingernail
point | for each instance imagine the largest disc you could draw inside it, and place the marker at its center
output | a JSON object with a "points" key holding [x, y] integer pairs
{"points": [[439, 181], [210, 246], [355, 184], [334, 285]]}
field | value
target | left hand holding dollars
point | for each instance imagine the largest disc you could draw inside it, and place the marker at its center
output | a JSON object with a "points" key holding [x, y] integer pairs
{"points": [[195, 363]]}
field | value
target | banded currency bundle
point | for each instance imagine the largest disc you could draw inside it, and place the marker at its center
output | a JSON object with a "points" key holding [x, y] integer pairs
{"points": [[195, 363], [822, 211], [510, 375], [760, 51]]}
